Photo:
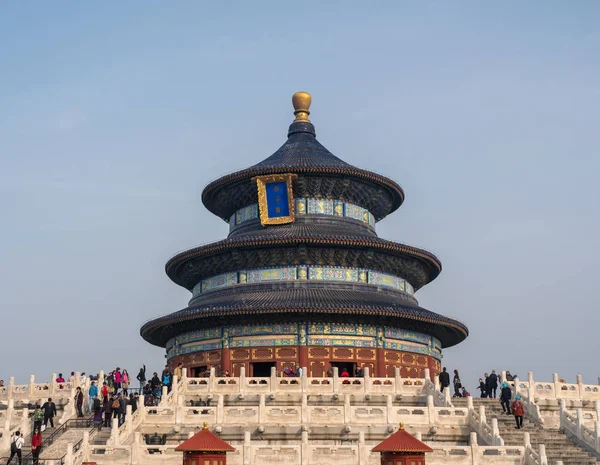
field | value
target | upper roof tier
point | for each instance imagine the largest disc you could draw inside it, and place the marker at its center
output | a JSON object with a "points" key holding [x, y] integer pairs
{"points": [[320, 174]]}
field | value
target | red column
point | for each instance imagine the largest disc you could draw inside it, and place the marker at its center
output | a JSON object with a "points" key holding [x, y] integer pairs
{"points": [[225, 360], [380, 366]]}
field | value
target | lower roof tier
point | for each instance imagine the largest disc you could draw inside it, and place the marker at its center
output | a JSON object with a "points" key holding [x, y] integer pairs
{"points": [[270, 303]]}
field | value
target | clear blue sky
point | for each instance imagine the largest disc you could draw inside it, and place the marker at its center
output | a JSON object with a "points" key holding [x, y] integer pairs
{"points": [[114, 116]]}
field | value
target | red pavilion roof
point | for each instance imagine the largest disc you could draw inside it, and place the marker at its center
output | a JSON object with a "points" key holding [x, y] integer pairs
{"points": [[205, 440], [402, 441]]}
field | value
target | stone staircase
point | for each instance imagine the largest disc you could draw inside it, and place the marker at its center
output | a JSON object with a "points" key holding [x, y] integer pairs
{"points": [[558, 445]]}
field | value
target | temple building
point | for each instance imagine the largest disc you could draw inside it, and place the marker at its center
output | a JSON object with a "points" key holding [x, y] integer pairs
{"points": [[303, 279]]}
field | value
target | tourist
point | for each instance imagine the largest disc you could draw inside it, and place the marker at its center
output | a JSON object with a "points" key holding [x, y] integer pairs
{"points": [[122, 408], [505, 396], [133, 401], [49, 409], [444, 379], [79, 402], [60, 380], [108, 413], [98, 414], [155, 384], [298, 371], [457, 384], [166, 380], [486, 378], [83, 378], [125, 381], [38, 418], [116, 409], [141, 376], [482, 388], [509, 377], [165, 372], [518, 411], [93, 394], [105, 392], [117, 379], [36, 445], [1, 383], [345, 373], [465, 393], [16, 442], [179, 370], [360, 372], [330, 372], [72, 378], [493, 384]]}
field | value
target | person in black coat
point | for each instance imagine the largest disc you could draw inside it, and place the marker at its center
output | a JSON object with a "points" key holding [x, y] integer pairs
{"points": [[49, 409], [482, 388], [493, 384], [444, 379], [141, 376], [505, 396]]}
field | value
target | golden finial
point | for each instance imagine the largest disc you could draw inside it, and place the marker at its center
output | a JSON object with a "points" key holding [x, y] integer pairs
{"points": [[205, 425], [301, 102], [401, 425]]}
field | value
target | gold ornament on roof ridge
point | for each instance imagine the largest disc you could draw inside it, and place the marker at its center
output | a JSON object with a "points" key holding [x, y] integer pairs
{"points": [[301, 102]]}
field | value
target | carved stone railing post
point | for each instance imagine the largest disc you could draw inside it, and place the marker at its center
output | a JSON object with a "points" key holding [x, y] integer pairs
{"points": [[247, 448], [431, 411], [580, 387], [347, 410], [273, 380], [184, 372], [363, 450], [114, 433], [52, 386], [474, 448], [503, 377], [447, 398], [11, 387], [426, 375], [261, 409], [390, 409], [597, 435], [31, 387], [336, 381], [100, 379], [543, 458], [482, 418], [557, 386], [531, 391], [516, 388], [367, 380], [85, 446], [398, 380], [163, 396], [304, 380], [220, 409], [304, 455], [128, 419], [175, 389], [135, 448], [496, 440], [579, 423], [470, 403], [304, 411], [77, 382], [242, 380], [180, 412], [25, 423], [211, 380], [69, 456]]}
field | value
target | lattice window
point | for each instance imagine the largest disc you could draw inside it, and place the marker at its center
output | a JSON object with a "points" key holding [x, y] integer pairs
{"points": [[286, 352], [214, 356], [390, 371], [408, 359], [317, 369], [369, 354], [319, 352], [392, 356], [343, 352], [240, 354], [235, 368], [263, 352], [422, 361]]}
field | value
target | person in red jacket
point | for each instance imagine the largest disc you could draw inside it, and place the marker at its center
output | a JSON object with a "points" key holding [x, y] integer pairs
{"points": [[36, 445], [518, 411], [104, 391]]}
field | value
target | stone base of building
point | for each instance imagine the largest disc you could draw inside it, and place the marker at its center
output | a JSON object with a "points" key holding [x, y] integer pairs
{"points": [[258, 361]]}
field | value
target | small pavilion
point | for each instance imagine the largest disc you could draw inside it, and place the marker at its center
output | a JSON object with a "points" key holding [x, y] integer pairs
{"points": [[402, 448], [205, 448]]}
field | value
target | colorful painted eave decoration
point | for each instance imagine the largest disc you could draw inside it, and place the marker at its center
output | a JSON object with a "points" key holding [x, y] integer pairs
{"points": [[275, 198]]}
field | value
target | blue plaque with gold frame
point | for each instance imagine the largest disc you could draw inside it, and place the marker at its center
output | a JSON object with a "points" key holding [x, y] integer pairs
{"points": [[276, 198]]}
